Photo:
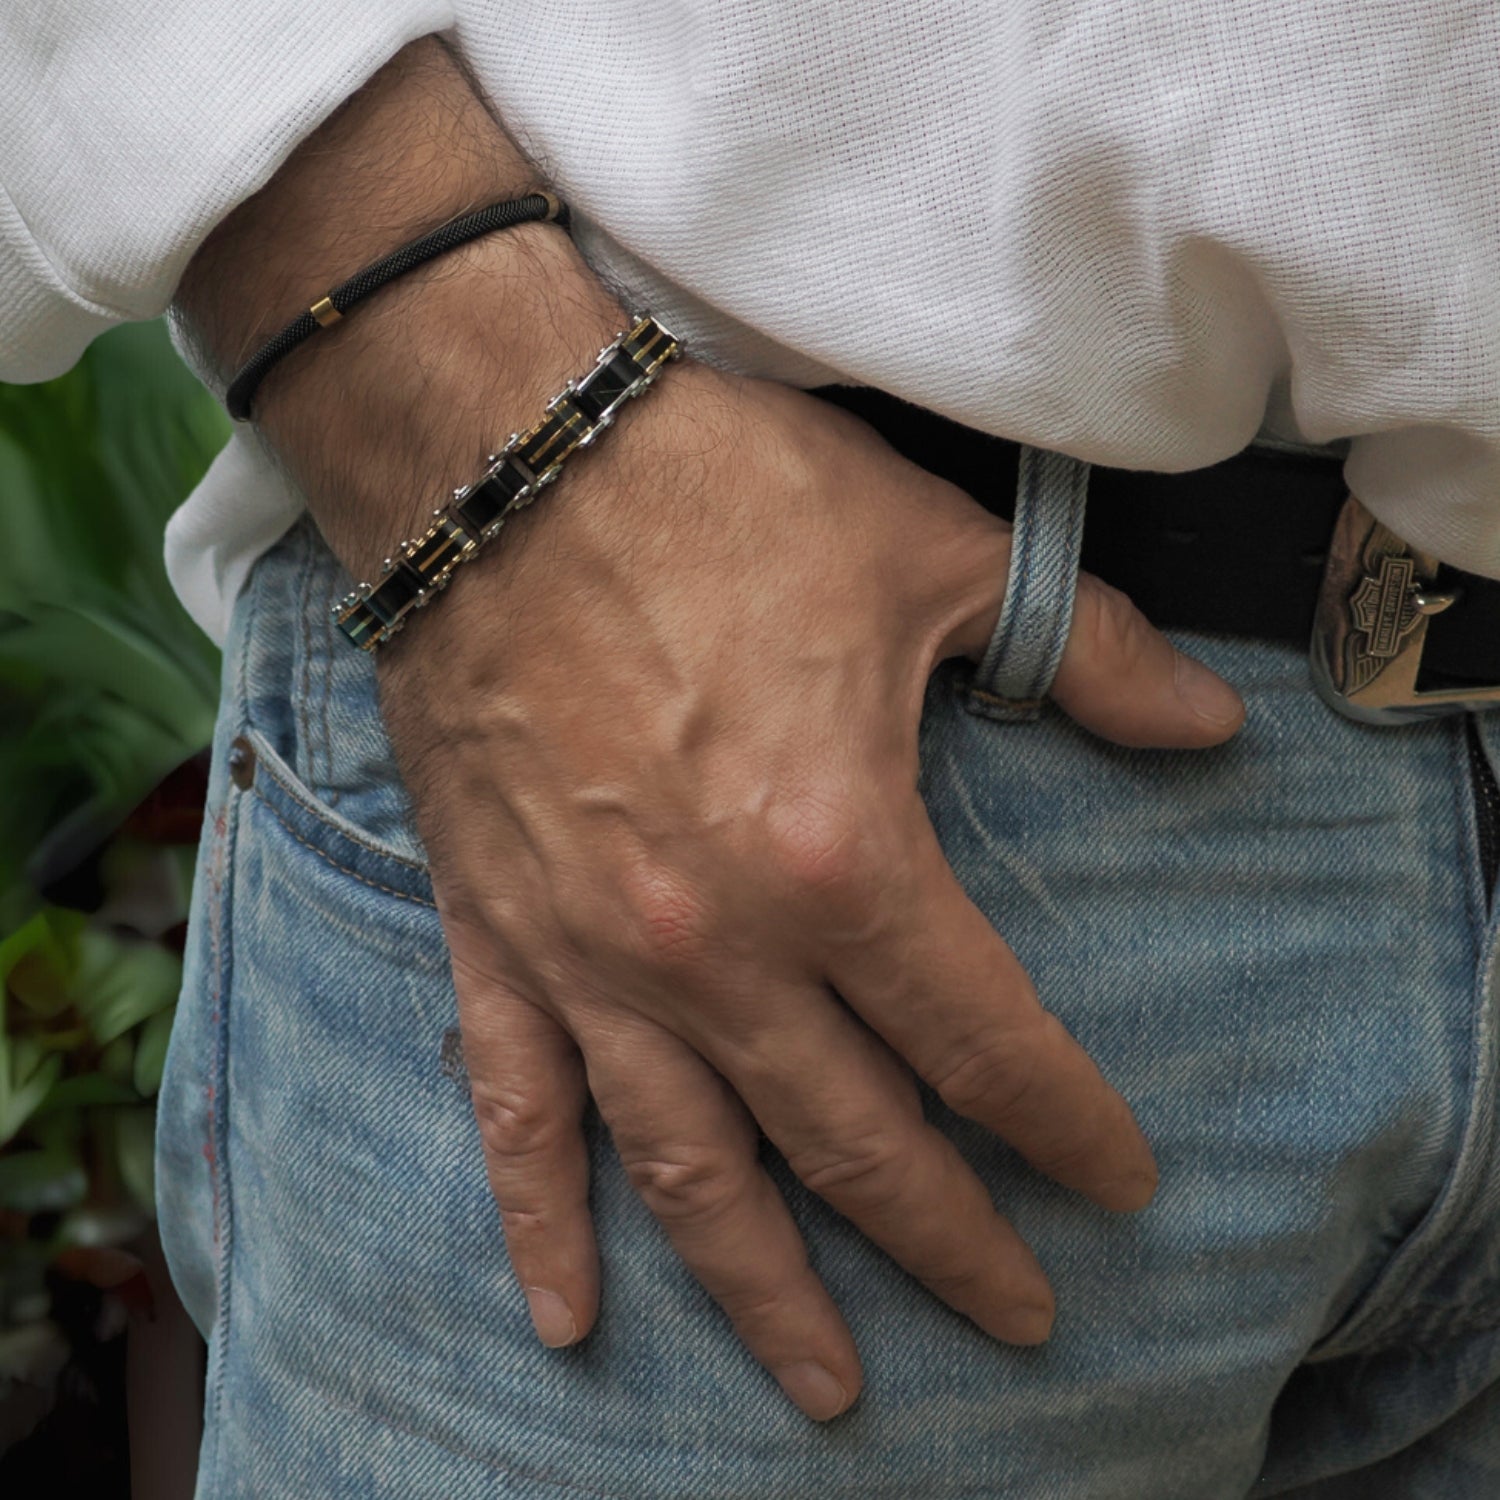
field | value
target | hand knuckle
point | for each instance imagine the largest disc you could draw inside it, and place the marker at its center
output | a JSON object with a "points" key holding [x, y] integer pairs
{"points": [[1112, 623], [668, 922], [995, 1075], [754, 1305], [866, 1175], [514, 1123], [692, 1184], [525, 1224], [819, 845], [954, 1280], [1069, 1156]]}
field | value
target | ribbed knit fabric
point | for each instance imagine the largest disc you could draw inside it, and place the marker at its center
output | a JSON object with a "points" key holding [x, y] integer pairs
{"points": [[1128, 231], [127, 131]]}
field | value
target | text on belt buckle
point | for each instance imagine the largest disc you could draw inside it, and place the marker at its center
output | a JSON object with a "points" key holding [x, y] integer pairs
{"points": [[1373, 612]]}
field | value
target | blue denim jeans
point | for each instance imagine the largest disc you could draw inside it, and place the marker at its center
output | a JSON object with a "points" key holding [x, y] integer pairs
{"points": [[1280, 951]]}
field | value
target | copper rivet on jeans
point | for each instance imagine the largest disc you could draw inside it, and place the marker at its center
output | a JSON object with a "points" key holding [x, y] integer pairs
{"points": [[242, 764]]}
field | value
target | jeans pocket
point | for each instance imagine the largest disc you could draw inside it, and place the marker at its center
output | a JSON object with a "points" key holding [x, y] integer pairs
{"points": [[312, 698], [318, 827]]}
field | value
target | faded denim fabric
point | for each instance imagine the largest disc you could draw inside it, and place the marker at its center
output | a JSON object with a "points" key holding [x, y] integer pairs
{"points": [[1279, 951], [1031, 634]]}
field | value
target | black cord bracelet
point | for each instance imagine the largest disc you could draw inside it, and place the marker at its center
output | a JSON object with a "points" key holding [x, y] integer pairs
{"points": [[326, 311]]}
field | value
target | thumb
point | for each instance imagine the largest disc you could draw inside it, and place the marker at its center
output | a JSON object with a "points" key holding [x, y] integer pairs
{"points": [[1123, 679]]}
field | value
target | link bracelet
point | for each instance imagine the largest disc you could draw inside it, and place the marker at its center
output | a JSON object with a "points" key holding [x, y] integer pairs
{"points": [[530, 461]]}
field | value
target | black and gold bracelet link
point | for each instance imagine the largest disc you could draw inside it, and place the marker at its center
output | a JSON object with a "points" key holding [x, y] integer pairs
{"points": [[530, 461]]}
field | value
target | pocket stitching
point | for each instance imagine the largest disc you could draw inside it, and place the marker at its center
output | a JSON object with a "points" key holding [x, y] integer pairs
{"points": [[345, 869], [268, 761], [221, 946]]}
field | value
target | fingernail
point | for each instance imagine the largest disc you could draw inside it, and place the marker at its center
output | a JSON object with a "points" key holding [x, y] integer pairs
{"points": [[551, 1317], [1028, 1324], [813, 1389], [1206, 693]]}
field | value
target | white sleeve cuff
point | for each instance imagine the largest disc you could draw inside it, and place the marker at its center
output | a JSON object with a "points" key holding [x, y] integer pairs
{"points": [[129, 131]]}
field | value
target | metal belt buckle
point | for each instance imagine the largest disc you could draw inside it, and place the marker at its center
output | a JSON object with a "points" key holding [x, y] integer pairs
{"points": [[1373, 613]]}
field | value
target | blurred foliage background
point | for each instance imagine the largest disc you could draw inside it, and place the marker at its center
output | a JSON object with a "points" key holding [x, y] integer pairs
{"points": [[107, 697]]}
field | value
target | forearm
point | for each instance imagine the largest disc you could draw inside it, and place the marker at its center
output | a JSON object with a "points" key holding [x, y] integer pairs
{"points": [[376, 418]]}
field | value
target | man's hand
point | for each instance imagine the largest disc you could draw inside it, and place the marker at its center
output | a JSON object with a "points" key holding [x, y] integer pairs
{"points": [[666, 773], [662, 750]]}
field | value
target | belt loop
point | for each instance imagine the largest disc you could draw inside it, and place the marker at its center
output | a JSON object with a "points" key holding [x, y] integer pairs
{"points": [[1024, 652]]}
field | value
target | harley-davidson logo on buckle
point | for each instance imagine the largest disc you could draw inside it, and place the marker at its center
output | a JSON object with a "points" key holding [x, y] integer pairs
{"points": [[1371, 626]]}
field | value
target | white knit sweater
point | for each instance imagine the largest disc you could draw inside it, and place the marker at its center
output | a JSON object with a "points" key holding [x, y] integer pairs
{"points": [[1130, 229]]}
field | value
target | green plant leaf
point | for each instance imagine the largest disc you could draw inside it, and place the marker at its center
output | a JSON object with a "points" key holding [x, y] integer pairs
{"points": [[105, 684], [85, 1091], [36, 970], [34, 1182], [151, 1052], [25, 939], [105, 687], [117, 1060], [135, 1150], [118, 985], [47, 940], [27, 1074], [58, 1129], [112, 657]]}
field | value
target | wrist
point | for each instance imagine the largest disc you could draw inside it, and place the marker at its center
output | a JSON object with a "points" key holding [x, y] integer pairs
{"points": [[632, 506], [374, 417], [410, 150], [401, 403]]}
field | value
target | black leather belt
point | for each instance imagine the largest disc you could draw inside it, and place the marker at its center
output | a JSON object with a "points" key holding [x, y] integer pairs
{"points": [[1238, 548]]}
